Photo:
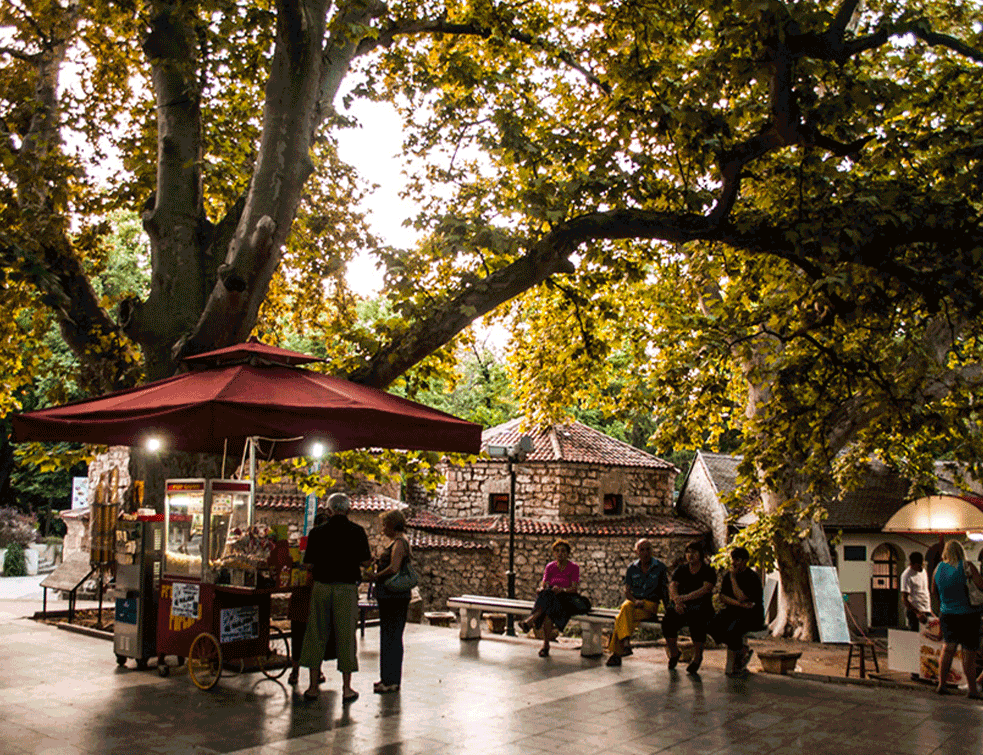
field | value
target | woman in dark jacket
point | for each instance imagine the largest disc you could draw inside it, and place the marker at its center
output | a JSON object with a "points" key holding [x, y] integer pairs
{"points": [[393, 606]]}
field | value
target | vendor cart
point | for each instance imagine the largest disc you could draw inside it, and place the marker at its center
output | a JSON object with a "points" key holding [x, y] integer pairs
{"points": [[214, 606], [219, 627]]}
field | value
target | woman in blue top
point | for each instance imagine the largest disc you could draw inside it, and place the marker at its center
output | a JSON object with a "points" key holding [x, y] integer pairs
{"points": [[960, 620]]}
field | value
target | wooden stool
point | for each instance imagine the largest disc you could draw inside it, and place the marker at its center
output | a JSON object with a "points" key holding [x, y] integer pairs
{"points": [[861, 648]]}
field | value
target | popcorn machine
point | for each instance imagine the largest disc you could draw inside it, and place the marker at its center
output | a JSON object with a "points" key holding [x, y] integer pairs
{"points": [[216, 586], [202, 519]]}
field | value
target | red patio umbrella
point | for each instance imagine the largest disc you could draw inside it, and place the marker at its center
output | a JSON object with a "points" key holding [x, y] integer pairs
{"points": [[249, 390]]}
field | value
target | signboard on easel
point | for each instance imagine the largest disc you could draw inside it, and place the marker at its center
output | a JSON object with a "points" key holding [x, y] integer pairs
{"points": [[827, 599], [310, 512]]}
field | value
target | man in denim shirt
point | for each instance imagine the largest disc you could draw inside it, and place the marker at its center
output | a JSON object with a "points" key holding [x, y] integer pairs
{"points": [[645, 586]]}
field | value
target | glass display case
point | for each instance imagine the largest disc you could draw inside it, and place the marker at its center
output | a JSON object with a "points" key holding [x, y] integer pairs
{"points": [[203, 519]]}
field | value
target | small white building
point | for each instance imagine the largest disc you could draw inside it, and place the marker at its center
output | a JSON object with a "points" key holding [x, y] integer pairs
{"points": [[871, 530]]}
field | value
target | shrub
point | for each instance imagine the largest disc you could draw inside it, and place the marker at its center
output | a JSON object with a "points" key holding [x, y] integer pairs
{"points": [[14, 563], [16, 527]]}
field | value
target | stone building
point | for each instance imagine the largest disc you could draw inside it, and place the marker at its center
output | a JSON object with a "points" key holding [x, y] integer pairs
{"points": [[711, 479], [594, 491]]}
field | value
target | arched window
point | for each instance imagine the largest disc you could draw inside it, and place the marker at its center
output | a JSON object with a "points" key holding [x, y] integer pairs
{"points": [[886, 568]]}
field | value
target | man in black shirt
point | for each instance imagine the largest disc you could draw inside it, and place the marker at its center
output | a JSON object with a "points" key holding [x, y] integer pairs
{"points": [[336, 552], [690, 604]]}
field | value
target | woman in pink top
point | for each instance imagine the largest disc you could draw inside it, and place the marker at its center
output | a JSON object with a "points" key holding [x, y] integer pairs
{"points": [[558, 598]]}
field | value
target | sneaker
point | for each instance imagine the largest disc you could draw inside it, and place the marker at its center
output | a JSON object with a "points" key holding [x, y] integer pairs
{"points": [[614, 660]]}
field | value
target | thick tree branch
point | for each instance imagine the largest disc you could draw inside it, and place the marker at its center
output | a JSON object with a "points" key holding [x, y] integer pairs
{"points": [[108, 361], [412, 27], [294, 107]]}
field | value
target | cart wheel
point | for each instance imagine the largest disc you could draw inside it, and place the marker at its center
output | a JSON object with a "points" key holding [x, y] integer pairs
{"points": [[205, 661], [163, 669], [142, 664], [278, 659], [120, 660]]}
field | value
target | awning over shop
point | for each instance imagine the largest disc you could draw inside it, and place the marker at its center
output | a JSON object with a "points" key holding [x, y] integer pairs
{"points": [[940, 514]]}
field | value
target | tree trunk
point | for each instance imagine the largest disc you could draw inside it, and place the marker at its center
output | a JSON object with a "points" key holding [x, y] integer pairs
{"points": [[796, 617], [787, 501]]}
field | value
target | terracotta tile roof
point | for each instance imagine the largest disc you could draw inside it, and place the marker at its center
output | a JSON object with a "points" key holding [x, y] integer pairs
{"points": [[420, 540], [295, 502], [575, 443], [881, 495], [614, 527]]}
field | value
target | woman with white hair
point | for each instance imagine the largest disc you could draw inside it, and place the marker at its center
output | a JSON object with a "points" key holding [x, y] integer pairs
{"points": [[960, 620]]}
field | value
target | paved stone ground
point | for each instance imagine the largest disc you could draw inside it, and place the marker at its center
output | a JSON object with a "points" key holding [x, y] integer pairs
{"points": [[61, 693]]}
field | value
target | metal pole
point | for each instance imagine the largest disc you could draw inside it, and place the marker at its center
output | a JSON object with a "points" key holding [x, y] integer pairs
{"points": [[511, 572], [252, 477]]}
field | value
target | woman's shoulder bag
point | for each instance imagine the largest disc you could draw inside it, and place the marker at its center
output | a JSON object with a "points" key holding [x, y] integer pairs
{"points": [[975, 594], [405, 579]]}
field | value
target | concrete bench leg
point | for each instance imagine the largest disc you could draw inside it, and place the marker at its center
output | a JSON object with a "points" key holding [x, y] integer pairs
{"points": [[591, 646], [470, 624]]}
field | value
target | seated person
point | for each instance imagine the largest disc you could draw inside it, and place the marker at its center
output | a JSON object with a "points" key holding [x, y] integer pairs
{"points": [[558, 598], [645, 586], [743, 612], [690, 604]]}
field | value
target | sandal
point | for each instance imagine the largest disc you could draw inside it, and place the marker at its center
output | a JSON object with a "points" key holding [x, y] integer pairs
{"points": [[381, 689], [525, 626], [544, 652], [350, 697]]}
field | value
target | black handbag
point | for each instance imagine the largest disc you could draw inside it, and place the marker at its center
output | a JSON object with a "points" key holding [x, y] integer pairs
{"points": [[404, 580], [579, 603]]}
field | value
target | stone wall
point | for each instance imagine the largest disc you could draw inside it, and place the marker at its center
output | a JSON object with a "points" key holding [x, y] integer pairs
{"points": [[117, 457], [457, 571], [603, 560], [554, 490]]}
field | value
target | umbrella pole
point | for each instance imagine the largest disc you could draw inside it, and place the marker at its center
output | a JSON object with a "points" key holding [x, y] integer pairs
{"points": [[225, 451], [252, 474]]}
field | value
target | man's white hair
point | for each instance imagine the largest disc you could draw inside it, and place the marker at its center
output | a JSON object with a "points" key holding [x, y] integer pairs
{"points": [[339, 503]]}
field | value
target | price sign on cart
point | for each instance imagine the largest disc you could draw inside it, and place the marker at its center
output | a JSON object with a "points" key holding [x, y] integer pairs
{"points": [[186, 600]]}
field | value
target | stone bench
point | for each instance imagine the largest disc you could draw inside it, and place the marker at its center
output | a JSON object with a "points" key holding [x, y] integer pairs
{"points": [[471, 607]]}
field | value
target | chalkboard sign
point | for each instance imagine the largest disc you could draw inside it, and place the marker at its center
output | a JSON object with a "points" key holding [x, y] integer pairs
{"points": [[827, 599], [239, 623]]}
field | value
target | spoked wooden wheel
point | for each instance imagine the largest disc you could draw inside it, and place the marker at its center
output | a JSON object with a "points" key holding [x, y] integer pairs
{"points": [[277, 660], [205, 661]]}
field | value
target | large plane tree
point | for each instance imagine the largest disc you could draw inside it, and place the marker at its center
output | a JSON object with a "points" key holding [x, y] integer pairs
{"points": [[556, 146]]}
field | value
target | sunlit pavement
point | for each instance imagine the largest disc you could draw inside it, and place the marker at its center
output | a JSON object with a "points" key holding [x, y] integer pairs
{"points": [[62, 693]]}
